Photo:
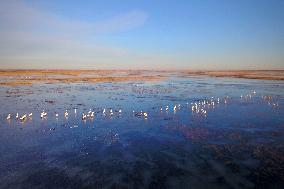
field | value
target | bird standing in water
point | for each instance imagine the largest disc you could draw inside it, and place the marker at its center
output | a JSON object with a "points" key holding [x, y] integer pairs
{"points": [[8, 117], [23, 118], [43, 114], [66, 113], [84, 116]]}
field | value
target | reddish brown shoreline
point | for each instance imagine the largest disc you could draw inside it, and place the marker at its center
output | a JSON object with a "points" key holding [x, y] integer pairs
{"points": [[28, 77], [246, 74]]}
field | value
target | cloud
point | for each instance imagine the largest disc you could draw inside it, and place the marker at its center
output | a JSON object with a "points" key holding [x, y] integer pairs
{"points": [[17, 15], [122, 22], [28, 33]]}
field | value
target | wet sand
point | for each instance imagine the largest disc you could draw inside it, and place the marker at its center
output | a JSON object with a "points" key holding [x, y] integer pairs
{"points": [[246, 74], [29, 77]]}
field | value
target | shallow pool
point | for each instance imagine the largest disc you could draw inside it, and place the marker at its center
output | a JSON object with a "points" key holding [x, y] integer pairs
{"points": [[198, 132]]}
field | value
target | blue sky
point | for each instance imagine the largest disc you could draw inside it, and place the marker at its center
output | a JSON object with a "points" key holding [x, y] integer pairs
{"points": [[160, 34]]}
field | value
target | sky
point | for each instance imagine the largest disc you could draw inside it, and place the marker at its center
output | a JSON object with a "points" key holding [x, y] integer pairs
{"points": [[142, 34]]}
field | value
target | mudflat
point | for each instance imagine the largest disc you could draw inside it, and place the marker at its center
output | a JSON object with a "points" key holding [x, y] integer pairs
{"points": [[247, 74], [29, 77]]}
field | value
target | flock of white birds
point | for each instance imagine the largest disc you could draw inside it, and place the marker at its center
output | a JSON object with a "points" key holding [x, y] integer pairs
{"points": [[90, 114], [200, 107]]}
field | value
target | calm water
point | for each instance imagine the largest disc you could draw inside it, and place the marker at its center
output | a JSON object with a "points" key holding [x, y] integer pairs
{"points": [[236, 143]]}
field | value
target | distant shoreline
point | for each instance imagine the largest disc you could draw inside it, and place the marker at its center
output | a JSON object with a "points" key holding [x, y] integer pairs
{"points": [[15, 77], [245, 74], [158, 70]]}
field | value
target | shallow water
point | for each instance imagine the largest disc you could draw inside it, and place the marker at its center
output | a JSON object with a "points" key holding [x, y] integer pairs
{"points": [[237, 143]]}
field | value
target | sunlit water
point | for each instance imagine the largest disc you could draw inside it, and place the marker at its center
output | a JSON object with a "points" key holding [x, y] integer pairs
{"points": [[237, 143]]}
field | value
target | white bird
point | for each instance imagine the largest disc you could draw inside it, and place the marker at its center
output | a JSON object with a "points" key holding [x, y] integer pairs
{"points": [[84, 116], [104, 111], [43, 114], [175, 108], [9, 117], [167, 108], [66, 113], [111, 113], [75, 110], [23, 117], [92, 114], [17, 115], [56, 115], [119, 111], [203, 111], [31, 114], [145, 115]]}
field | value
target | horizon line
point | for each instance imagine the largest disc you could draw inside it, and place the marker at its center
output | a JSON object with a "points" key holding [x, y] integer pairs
{"points": [[37, 69]]}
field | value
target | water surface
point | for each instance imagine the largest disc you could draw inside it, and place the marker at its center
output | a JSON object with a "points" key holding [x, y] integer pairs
{"points": [[237, 143]]}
